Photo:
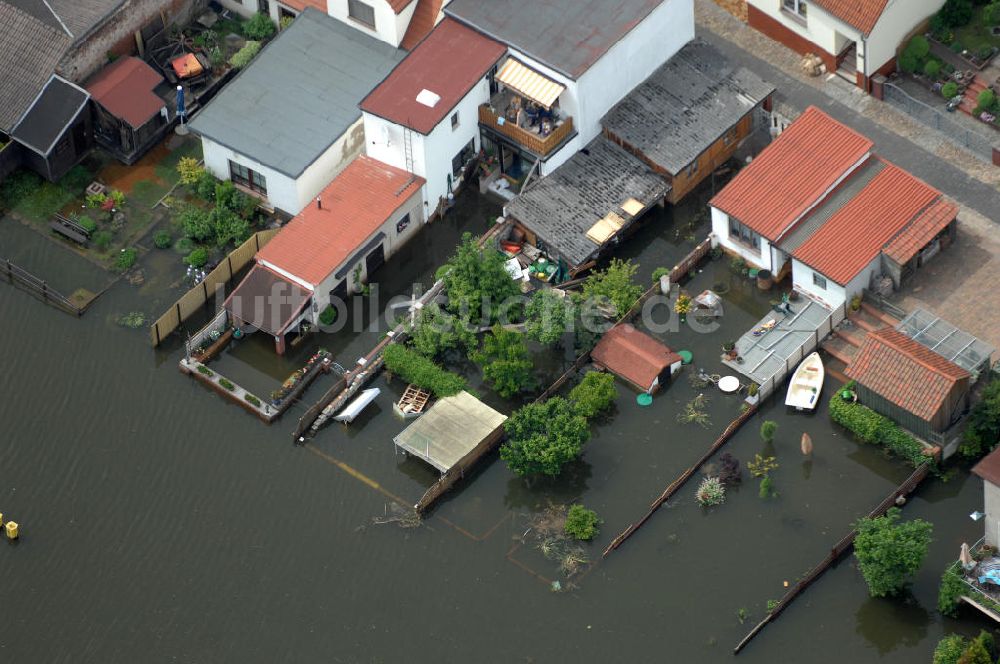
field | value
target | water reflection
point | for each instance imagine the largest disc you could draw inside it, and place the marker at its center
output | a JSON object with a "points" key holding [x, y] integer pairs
{"points": [[527, 493], [888, 623]]}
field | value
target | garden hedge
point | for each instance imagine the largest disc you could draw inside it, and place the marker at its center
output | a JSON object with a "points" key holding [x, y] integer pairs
{"points": [[414, 368], [870, 427]]}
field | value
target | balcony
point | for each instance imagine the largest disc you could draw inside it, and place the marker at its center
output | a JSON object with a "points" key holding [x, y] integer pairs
{"points": [[542, 134]]}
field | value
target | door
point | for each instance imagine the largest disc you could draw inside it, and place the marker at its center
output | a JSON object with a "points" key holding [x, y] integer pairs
{"points": [[374, 260]]}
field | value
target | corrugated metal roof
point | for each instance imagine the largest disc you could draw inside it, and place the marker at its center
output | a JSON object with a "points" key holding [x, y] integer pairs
{"points": [[860, 14], [299, 95], [904, 372], [354, 206], [125, 89], [522, 78], [686, 105], [792, 174], [859, 230], [567, 35], [917, 235], [448, 63]]}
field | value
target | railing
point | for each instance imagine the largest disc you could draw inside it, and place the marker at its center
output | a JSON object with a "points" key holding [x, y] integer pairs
{"points": [[528, 139], [39, 288]]}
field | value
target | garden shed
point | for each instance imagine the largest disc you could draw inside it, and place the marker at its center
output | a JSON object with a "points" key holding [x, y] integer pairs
{"points": [[636, 358], [130, 116]]}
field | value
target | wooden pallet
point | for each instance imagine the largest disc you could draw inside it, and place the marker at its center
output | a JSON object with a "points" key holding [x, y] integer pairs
{"points": [[413, 402]]}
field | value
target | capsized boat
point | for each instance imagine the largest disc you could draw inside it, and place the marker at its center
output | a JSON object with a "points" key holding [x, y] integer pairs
{"points": [[806, 383]]}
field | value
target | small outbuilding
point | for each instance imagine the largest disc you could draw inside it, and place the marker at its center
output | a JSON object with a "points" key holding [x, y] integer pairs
{"points": [[453, 434], [636, 358], [130, 116]]}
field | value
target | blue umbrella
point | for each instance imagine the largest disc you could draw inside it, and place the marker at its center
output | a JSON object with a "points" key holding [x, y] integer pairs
{"points": [[180, 103]]}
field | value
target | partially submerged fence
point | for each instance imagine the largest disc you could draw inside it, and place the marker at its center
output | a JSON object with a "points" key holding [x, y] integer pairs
{"points": [[192, 301], [39, 288], [903, 490]]}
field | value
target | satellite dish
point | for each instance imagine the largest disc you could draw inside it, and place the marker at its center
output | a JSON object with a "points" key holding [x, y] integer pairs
{"points": [[385, 135]]}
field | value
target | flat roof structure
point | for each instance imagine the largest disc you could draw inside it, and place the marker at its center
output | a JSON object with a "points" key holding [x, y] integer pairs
{"points": [[953, 344], [450, 430], [567, 35], [299, 95], [599, 181], [685, 106]]}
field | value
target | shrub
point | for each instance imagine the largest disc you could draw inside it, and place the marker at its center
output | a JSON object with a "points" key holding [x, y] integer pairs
{"points": [[88, 224], [932, 68], [198, 257], [919, 47], [955, 13], [889, 553], [285, 22], [328, 315], [435, 331], [767, 430], [118, 197], [547, 316], [950, 591], [595, 394], [216, 57], [950, 649], [660, 272], [260, 27], [95, 200], [17, 187], [162, 240], [417, 369], [202, 369], [949, 90], [205, 187], [983, 430], [243, 56], [616, 284], [196, 224], [126, 259], [227, 384], [987, 99], [766, 489], [184, 246], [227, 226], [581, 523], [991, 14], [504, 361], [711, 492], [102, 240], [543, 437], [251, 399], [133, 320], [870, 427], [190, 170], [908, 62]]}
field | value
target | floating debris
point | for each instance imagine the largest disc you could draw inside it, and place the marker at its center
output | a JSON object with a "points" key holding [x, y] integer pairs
{"points": [[807, 444]]}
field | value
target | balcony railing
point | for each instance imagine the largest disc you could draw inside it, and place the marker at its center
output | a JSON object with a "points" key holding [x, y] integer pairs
{"points": [[539, 145]]}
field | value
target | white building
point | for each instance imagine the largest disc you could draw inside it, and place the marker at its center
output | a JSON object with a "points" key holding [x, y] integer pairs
{"points": [[856, 39], [838, 218], [288, 123]]}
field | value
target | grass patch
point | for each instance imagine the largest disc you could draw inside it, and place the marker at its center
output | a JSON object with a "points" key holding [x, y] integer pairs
{"points": [[976, 35], [146, 193], [166, 170]]}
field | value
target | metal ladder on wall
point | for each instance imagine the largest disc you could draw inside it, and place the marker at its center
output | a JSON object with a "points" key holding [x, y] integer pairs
{"points": [[408, 148]]}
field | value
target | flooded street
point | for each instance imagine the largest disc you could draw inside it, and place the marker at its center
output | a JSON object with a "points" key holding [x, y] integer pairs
{"points": [[163, 524]]}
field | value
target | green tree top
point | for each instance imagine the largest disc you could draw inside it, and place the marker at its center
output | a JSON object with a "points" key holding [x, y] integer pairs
{"points": [[434, 331], [615, 284], [548, 315], [472, 277], [504, 360], [889, 553], [595, 394], [543, 437]]}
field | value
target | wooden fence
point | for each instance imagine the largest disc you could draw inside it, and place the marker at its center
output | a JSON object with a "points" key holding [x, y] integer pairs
{"points": [[38, 287], [195, 299], [690, 261], [904, 489]]}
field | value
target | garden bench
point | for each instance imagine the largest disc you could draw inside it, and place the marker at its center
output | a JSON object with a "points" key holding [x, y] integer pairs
{"points": [[72, 225], [68, 233]]}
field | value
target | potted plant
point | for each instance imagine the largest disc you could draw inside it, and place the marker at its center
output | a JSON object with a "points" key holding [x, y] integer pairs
{"points": [[729, 348], [683, 306]]}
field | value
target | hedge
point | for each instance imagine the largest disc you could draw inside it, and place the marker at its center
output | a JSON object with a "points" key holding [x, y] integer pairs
{"points": [[422, 372], [870, 427]]}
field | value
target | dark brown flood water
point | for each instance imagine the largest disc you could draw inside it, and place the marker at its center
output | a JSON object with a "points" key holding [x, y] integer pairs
{"points": [[162, 525]]}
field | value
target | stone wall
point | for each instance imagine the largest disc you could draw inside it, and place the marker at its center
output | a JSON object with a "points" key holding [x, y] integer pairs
{"points": [[737, 8]]}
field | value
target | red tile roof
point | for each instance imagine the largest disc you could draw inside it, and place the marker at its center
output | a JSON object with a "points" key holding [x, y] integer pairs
{"points": [[300, 5], [423, 21], [989, 467], [449, 62], [905, 372], [399, 5], [125, 89], [917, 235], [860, 14], [857, 232], [792, 174], [633, 355], [358, 201]]}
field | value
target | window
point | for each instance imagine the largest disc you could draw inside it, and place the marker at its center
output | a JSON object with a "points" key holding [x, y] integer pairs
{"points": [[462, 158], [403, 223], [797, 7], [362, 13], [819, 280], [730, 136], [245, 177], [743, 235], [692, 168], [454, 121], [264, 6]]}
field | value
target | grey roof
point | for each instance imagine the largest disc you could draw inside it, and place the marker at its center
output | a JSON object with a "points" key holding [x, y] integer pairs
{"points": [[29, 51], [74, 18], [51, 113], [561, 207], [686, 105], [955, 345], [299, 95], [567, 35]]}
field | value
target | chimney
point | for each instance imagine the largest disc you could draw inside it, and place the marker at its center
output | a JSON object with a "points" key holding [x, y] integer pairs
{"points": [[319, 203]]}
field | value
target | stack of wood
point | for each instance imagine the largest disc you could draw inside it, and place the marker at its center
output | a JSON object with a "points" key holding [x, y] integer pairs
{"points": [[812, 64]]}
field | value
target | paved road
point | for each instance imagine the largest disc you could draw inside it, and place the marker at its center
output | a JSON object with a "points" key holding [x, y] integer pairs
{"points": [[954, 182]]}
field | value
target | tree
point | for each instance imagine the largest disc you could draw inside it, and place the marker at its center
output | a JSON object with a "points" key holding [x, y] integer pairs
{"points": [[977, 651], [616, 284], [595, 394], [889, 553], [955, 13], [196, 224], [547, 316], [983, 430], [434, 331], [228, 226], [260, 27], [543, 437], [949, 649], [477, 283], [767, 430], [504, 360], [581, 523]]}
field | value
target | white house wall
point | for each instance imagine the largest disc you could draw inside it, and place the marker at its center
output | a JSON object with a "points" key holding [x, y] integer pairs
{"points": [[991, 499], [834, 295], [329, 164], [820, 28], [720, 228], [389, 27], [897, 21]]}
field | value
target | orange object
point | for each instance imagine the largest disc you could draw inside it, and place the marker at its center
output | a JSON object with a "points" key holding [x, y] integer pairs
{"points": [[187, 66]]}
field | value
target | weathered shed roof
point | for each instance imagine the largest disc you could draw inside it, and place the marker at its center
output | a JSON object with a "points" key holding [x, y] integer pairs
{"points": [[299, 95], [633, 355], [125, 88], [450, 430], [56, 107], [686, 105], [563, 206]]}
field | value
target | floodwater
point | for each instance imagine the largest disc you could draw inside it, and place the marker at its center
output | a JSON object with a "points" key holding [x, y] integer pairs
{"points": [[162, 524]]}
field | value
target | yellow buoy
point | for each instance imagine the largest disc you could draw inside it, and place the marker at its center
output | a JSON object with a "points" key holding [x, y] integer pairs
{"points": [[11, 528]]}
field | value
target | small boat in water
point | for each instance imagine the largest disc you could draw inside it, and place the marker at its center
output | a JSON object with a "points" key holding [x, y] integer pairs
{"points": [[806, 383]]}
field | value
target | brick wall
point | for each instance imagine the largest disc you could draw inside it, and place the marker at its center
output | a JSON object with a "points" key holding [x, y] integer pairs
{"points": [[117, 34], [737, 8]]}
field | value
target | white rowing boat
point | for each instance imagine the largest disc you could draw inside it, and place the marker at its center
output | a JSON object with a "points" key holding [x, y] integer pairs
{"points": [[806, 383]]}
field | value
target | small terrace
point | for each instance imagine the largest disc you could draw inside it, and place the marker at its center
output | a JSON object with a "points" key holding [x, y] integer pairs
{"points": [[539, 129]]}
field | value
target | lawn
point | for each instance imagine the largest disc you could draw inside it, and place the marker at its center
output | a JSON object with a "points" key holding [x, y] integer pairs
{"points": [[976, 36]]}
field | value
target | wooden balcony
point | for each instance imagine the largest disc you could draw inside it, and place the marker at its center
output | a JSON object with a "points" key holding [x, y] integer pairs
{"points": [[527, 138]]}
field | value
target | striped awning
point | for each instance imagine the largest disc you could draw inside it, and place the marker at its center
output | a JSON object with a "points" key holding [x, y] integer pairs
{"points": [[514, 74]]}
